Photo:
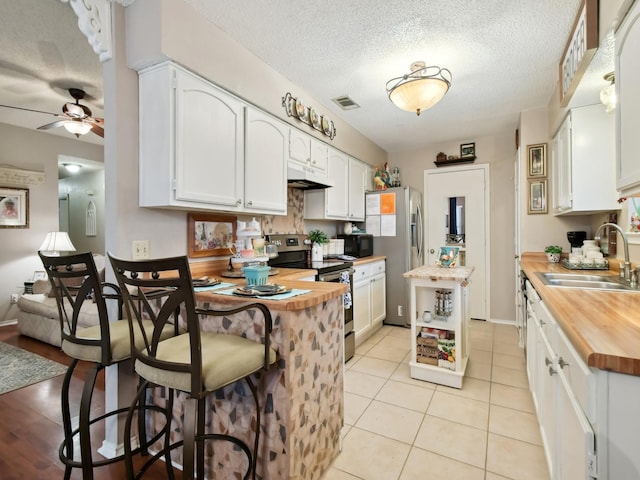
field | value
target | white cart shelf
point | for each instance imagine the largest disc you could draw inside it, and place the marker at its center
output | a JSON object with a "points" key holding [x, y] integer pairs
{"points": [[440, 347]]}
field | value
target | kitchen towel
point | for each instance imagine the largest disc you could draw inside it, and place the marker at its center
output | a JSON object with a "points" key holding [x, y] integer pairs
{"points": [[344, 278]]}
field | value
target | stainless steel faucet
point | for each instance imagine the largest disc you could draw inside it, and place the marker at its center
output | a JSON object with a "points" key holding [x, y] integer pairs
{"points": [[625, 242]]}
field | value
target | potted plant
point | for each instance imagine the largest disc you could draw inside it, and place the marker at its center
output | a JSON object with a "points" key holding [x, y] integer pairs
{"points": [[553, 253], [318, 238]]}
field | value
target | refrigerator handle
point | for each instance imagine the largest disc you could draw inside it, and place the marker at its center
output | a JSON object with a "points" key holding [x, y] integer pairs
{"points": [[419, 228]]}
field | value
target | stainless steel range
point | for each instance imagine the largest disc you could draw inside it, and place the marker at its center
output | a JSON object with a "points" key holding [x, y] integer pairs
{"points": [[294, 251]]}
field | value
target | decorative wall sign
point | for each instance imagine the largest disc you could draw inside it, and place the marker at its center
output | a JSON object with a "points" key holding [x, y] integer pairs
{"points": [[580, 48], [18, 176], [295, 107]]}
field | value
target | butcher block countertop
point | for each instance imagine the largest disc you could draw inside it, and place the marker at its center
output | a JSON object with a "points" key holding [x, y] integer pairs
{"points": [[365, 260], [289, 277], [603, 326]]}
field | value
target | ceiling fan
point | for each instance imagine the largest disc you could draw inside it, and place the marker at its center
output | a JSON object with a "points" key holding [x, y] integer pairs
{"points": [[75, 118]]}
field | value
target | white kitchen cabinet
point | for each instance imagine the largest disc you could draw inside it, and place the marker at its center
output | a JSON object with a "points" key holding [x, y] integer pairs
{"points": [[583, 163], [439, 341], [197, 153], [378, 292], [627, 70], [265, 163], [308, 152], [369, 299], [343, 201], [563, 391]]}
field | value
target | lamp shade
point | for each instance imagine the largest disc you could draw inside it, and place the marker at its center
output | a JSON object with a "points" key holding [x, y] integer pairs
{"points": [[56, 242], [421, 89], [77, 127]]}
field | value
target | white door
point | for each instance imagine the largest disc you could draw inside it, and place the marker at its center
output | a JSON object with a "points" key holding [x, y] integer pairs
{"points": [[472, 185]]}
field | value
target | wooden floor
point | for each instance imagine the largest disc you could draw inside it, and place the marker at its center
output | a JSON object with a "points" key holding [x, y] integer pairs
{"points": [[31, 425]]}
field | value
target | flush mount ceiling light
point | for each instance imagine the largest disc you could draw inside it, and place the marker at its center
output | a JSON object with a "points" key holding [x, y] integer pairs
{"points": [[421, 89], [72, 167], [608, 94]]}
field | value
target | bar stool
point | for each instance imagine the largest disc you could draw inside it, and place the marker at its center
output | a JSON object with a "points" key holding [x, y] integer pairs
{"points": [[78, 291], [195, 362]]}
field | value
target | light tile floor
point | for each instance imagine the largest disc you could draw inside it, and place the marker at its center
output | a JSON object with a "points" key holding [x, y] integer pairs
{"points": [[398, 428]]}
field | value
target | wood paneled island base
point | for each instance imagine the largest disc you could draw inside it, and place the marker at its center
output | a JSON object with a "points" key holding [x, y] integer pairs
{"points": [[301, 397]]}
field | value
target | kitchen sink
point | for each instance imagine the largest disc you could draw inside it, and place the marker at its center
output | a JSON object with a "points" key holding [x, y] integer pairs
{"points": [[586, 281]]}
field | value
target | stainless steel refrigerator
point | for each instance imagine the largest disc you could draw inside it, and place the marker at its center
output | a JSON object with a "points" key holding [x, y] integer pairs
{"points": [[396, 223]]}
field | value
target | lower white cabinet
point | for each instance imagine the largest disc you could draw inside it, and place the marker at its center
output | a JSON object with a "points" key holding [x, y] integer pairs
{"points": [[369, 299], [563, 391]]}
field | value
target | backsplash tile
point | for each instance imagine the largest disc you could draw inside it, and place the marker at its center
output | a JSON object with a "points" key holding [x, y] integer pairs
{"points": [[293, 222]]}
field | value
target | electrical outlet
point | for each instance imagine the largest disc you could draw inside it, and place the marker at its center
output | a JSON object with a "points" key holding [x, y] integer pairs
{"points": [[140, 249], [14, 298]]}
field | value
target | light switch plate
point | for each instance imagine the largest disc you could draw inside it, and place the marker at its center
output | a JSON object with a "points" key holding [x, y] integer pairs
{"points": [[140, 249]]}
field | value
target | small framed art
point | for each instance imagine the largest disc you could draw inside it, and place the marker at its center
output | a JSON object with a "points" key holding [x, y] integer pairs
{"points": [[467, 150], [537, 161], [537, 196], [14, 207], [210, 235]]}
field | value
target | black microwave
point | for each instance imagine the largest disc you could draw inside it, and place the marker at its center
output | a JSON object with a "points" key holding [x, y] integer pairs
{"points": [[358, 245]]}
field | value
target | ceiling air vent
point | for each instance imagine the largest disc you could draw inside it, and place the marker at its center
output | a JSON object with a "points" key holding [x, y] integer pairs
{"points": [[345, 102]]}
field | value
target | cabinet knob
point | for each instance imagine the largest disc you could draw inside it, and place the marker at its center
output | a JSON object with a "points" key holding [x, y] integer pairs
{"points": [[562, 363], [547, 362], [249, 203], [552, 371], [238, 202], [542, 323], [432, 251]]}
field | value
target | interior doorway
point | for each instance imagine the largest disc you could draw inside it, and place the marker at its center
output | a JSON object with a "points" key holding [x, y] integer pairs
{"points": [[457, 215]]}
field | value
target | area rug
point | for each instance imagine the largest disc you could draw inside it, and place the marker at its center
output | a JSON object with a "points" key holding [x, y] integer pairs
{"points": [[19, 368]]}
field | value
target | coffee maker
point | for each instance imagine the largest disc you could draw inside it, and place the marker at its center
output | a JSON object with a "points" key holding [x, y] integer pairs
{"points": [[576, 238]]}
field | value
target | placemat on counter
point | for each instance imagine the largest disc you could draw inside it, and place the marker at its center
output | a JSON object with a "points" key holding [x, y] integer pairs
{"points": [[218, 286]]}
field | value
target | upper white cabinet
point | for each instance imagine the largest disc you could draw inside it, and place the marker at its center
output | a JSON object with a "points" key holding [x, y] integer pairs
{"points": [[196, 152], [343, 201], [308, 152], [265, 165], [628, 109], [582, 161]]}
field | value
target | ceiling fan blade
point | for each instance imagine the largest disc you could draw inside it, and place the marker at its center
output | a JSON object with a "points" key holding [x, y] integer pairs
{"points": [[59, 123], [32, 110], [97, 129]]}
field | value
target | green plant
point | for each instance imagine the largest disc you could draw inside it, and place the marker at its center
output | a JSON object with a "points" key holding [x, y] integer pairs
{"points": [[318, 236], [552, 249]]}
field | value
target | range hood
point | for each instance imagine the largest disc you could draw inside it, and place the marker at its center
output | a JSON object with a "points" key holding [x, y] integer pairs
{"points": [[305, 179]]}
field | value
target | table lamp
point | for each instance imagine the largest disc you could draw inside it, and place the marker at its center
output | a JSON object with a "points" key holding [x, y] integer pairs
{"points": [[56, 242]]}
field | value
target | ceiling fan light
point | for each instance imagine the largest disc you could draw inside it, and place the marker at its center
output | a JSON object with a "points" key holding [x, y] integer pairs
{"points": [[421, 89], [72, 167], [608, 95], [77, 127]]}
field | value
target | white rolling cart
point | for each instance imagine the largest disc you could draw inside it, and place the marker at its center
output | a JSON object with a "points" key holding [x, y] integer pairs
{"points": [[439, 324]]}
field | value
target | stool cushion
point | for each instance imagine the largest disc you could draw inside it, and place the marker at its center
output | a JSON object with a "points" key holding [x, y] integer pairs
{"points": [[120, 342], [225, 360]]}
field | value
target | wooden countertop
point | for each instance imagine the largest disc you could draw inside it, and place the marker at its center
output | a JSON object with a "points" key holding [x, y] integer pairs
{"points": [[365, 260], [434, 272], [603, 326]]}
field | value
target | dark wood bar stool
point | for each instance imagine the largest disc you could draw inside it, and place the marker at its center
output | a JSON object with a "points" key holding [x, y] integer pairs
{"points": [[197, 363], [79, 291]]}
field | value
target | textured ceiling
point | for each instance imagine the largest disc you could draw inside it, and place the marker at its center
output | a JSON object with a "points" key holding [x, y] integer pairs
{"points": [[503, 56]]}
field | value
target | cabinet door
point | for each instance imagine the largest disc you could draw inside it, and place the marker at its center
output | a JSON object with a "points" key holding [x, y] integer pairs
{"points": [[561, 161], [299, 147], [209, 149], [628, 90], [265, 164], [378, 298], [319, 157], [547, 412], [357, 172], [337, 197], [576, 445], [361, 307]]}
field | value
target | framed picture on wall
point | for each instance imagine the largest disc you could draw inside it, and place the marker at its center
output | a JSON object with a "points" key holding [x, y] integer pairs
{"points": [[210, 235], [537, 196], [537, 161], [14, 207]]}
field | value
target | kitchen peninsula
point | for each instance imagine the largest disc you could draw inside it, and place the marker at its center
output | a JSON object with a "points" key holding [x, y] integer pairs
{"points": [[301, 397]]}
